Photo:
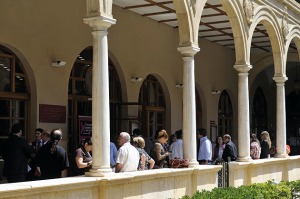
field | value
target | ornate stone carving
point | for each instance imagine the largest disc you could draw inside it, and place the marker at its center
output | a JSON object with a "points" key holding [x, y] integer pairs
{"points": [[285, 25], [99, 8], [249, 10]]}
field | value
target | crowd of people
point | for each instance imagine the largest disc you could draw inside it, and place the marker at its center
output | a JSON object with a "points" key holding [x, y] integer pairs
{"points": [[44, 158]]}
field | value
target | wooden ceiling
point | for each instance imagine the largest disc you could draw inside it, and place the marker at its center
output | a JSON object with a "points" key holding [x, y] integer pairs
{"points": [[214, 24]]}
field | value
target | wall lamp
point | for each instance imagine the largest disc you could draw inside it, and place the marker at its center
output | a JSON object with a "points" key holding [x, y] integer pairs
{"points": [[136, 79], [215, 92], [179, 85], [58, 63]]}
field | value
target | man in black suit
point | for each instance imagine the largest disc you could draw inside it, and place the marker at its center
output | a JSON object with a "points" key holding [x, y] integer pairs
{"points": [[230, 151], [16, 154]]}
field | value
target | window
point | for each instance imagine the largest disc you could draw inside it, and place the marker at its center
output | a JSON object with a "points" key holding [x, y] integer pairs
{"points": [[259, 112], [14, 94], [225, 114], [198, 110], [152, 111], [80, 95]]}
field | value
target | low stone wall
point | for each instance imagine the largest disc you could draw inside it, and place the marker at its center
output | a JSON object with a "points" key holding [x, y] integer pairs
{"points": [[262, 170], [160, 183]]}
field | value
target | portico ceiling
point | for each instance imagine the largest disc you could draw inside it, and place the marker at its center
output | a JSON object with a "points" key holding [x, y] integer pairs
{"points": [[214, 24]]}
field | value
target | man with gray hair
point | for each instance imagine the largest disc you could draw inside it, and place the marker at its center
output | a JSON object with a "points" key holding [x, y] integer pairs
{"points": [[128, 156]]}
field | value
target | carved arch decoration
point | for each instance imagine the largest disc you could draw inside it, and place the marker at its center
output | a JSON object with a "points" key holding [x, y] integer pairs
{"points": [[96, 8], [234, 11], [188, 16], [268, 18]]}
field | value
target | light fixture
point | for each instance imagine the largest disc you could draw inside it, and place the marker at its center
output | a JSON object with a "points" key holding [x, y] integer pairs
{"points": [[59, 63], [136, 79], [215, 92], [179, 85]]}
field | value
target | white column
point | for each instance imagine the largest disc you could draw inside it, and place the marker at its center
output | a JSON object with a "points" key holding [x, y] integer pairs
{"points": [[280, 118], [189, 106], [100, 103], [243, 114]]}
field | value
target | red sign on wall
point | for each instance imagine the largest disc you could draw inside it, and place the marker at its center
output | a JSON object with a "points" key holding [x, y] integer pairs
{"points": [[52, 113]]}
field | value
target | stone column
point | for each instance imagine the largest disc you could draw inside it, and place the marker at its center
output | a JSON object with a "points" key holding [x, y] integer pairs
{"points": [[189, 106], [100, 104], [280, 118], [243, 114]]}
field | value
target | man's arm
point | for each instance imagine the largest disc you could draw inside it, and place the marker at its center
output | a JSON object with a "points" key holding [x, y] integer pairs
{"points": [[118, 168]]}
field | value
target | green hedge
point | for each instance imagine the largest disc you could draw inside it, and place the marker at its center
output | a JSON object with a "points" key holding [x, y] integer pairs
{"points": [[268, 190]]}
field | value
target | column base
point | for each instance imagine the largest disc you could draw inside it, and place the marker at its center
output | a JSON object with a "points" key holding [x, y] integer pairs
{"points": [[244, 159], [99, 172], [281, 155], [193, 164]]}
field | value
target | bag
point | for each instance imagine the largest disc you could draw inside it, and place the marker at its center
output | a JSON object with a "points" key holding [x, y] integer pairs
{"points": [[179, 163]]}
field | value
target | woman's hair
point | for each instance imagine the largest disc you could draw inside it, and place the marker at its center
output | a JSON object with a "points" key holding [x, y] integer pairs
{"points": [[87, 140], [162, 134], [267, 137], [139, 142], [55, 137], [254, 138]]}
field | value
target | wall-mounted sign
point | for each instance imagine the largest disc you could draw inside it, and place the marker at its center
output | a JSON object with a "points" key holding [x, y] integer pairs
{"points": [[52, 113], [85, 126]]}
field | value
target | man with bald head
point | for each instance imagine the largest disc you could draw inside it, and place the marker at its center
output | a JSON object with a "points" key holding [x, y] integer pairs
{"points": [[128, 156]]}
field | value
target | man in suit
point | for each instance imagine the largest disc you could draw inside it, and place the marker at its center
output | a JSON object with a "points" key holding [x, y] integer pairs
{"points": [[230, 151], [37, 144], [16, 154]]}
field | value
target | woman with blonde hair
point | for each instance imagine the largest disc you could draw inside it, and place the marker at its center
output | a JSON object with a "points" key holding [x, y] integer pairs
{"points": [[158, 152], [265, 145]]}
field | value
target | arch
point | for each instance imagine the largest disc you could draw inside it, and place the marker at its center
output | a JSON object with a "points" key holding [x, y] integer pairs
{"points": [[294, 34], [267, 17], [238, 22], [263, 63], [188, 17], [165, 106]]}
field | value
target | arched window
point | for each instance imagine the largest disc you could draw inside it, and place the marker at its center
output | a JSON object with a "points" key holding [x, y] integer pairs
{"points": [[14, 93], [80, 96], [225, 115], [153, 109], [259, 112]]}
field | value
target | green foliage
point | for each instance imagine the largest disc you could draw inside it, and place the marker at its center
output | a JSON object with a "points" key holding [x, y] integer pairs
{"points": [[268, 190]]}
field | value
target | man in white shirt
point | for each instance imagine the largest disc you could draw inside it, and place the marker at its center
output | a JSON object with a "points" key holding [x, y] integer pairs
{"points": [[128, 156], [176, 146], [205, 149]]}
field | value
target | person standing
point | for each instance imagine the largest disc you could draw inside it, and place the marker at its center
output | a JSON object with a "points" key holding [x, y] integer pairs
{"points": [[83, 157], [205, 149], [38, 143], [218, 150], [128, 156], [52, 160], [230, 151], [176, 147], [265, 145], [113, 155], [16, 154], [255, 148]]}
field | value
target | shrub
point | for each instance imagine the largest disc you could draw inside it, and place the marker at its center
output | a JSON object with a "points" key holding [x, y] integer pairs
{"points": [[268, 190]]}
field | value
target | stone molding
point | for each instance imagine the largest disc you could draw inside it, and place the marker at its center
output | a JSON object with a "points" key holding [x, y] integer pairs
{"points": [[101, 23]]}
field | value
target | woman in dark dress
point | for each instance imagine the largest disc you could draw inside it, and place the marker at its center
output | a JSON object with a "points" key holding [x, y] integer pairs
{"points": [[158, 153], [83, 157], [265, 145]]}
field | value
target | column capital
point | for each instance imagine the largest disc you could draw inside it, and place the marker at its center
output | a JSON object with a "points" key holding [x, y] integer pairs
{"points": [[242, 68], [100, 22], [188, 51], [280, 79]]}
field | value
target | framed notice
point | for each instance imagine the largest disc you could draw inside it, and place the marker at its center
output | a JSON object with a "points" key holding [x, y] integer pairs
{"points": [[52, 113], [85, 126]]}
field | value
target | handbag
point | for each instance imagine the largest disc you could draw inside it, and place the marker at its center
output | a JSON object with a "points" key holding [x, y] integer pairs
{"points": [[179, 163]]}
